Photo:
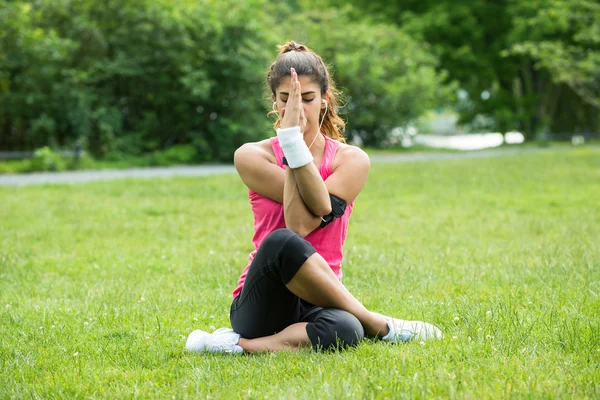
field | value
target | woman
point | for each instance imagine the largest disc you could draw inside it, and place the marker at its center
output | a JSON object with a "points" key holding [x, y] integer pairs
{"points": [[302, 186]]}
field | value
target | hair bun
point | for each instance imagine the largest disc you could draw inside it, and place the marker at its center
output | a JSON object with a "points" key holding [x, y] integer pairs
{"points": [[291, 46]]}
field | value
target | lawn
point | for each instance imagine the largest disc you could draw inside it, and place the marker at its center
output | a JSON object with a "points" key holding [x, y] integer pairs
{"points": [[101, 283]]}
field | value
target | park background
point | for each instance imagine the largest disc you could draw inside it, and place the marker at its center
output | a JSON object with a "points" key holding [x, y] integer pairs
{"points": [[101, 282], [165, 82]]}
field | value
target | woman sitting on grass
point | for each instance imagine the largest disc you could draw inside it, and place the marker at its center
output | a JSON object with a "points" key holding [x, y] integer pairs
{"points": [[302, 186]]}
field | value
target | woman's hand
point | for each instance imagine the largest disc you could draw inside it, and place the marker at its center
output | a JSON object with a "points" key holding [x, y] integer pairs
{"points": [[293, 113]]}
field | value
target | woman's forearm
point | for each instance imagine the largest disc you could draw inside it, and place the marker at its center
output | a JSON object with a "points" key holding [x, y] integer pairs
{"points": [[297, 216], [307, 176], [312, 189]]}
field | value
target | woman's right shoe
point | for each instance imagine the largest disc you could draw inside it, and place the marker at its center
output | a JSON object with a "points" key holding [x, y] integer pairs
{"points": [[222, 340]]}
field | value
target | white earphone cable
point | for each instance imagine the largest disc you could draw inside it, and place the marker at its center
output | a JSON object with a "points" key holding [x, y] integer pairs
{"points": [[320, 125]]}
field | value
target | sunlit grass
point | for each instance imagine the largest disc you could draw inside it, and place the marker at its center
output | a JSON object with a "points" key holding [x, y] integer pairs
{"points": [[100, 283]]}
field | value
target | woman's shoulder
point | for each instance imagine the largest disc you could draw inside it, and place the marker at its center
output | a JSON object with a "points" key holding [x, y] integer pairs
{"points": [[261, 148], [349, 153], [261, 144]]}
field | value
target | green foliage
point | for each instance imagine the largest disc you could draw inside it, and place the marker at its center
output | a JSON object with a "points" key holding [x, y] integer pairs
{"points": [[537, 60], [139, 76], [174, 155], [14, 166], [44, 159], [179, 154], [136, 77], [564, 39], [154, 70], [101, 283]]}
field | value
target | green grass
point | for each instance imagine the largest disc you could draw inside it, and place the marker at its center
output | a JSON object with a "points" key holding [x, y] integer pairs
{"points": [[100, 284]]}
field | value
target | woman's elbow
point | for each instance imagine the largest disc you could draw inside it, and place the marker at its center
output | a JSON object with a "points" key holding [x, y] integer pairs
{"points": [[326, 210], [321, 209], [302, 232], [300, 228]]}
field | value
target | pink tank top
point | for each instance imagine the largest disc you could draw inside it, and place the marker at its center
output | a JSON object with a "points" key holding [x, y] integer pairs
{"points": [[268, 216]]}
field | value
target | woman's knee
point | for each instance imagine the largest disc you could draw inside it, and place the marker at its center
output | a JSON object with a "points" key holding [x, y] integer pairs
{"points": [[277, 238], [288, 250], [335, 329]]}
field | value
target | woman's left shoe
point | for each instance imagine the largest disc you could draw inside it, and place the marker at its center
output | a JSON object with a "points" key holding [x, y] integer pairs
{"points": [[405, 331], [222, 340]]}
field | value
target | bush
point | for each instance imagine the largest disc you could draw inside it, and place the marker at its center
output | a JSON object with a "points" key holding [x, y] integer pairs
{"points": [[14, 166], [180, 154], [45, 159]]}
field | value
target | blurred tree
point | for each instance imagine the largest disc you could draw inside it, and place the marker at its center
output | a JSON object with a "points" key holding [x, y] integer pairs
{"points": [[31, 61], [562, 40], [518, 61], [140, 76], [238, 54], [134, 75]]}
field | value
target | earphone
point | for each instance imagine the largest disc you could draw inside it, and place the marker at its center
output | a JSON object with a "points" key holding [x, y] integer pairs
{"points": [[320, 125]]}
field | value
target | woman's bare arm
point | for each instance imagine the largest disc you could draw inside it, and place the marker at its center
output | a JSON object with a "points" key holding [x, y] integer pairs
{"points": [[313, 190], [259, 171], [297, 215], [350, 171]]}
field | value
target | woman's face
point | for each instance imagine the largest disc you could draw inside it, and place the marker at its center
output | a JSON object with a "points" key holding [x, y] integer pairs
{"points": [[311, 100]]}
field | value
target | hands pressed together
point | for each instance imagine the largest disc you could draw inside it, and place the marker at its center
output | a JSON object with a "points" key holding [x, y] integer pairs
{"points": [[293, 113], [293, 123]]}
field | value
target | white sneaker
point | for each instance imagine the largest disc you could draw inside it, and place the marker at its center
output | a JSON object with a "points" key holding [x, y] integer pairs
{"points": [[404, 331], [195, 341], [223, 330], [222, 340]]}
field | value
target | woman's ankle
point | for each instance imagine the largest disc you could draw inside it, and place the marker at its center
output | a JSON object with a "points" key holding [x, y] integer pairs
{"points": [[378, 328]]}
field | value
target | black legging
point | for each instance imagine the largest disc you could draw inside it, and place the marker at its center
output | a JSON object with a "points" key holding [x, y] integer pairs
{"points": [[265, 305]]}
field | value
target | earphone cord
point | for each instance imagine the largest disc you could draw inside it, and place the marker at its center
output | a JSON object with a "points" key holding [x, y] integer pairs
{"points": [[320, 125]]}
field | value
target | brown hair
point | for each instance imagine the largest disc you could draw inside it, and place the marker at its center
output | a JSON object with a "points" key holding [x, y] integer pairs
{"points": [[306, 62]]}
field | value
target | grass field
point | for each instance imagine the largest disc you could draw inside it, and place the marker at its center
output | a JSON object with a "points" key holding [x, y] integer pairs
{"points": [[101, 283]]}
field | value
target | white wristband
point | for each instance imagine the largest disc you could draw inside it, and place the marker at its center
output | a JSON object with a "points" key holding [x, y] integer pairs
{"points": [[295, 149]]}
